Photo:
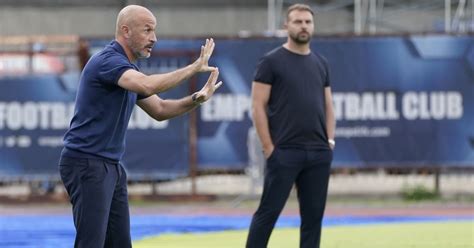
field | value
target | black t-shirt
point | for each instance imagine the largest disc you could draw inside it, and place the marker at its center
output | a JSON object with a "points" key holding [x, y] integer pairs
{"points": [[296, 108]]}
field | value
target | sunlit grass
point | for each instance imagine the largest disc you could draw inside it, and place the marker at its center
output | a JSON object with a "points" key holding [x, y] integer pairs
{"points": [[410, 235]]}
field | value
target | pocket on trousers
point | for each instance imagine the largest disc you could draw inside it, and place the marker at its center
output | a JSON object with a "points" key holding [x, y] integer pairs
{"points": [[96, 170], [273, 154], [70, 170], [67, 166], [329, 156]]}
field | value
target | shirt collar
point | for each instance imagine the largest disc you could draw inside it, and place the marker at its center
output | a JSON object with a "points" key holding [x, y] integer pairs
{"points": [[117, 47]]}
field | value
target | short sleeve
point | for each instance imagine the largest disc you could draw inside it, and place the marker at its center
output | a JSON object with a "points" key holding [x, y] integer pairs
{"points": [[263, 72], [327, 74], [113, 67]]}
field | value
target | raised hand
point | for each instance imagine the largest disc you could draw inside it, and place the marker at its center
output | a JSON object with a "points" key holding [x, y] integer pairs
{"points": [[209, 88], [203, 60]]}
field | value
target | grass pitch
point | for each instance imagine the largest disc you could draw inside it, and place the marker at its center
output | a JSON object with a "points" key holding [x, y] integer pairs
{"points": [[407, 235]]}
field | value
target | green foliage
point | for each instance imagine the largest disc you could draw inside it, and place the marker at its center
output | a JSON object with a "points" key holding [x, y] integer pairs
{"points": [[419, 193]]}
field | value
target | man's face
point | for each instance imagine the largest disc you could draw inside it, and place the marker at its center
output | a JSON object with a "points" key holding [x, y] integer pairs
{"points": [[300, 26], [142, 36]]}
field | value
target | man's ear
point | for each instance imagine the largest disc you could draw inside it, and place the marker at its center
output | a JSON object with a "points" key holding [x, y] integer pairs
{"points": [[125, 31]]}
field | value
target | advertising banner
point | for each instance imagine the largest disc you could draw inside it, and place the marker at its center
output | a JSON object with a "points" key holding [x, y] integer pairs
{"points": [[35, 112], [399, 101]]}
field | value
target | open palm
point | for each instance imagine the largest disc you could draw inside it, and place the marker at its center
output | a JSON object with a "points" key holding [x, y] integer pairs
{"points": [[209, 88], [206, 52]]}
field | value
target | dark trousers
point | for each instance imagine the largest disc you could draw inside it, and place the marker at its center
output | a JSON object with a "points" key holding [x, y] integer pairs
{"points": [[98, 192], [309, 170]]}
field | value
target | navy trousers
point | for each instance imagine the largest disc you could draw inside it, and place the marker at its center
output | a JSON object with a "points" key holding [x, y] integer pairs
{"points": [[309, 170], [97, 189]]}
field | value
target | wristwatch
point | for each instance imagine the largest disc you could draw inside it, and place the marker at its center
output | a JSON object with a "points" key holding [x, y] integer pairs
{"points": [[194, 98], [332, 142]]}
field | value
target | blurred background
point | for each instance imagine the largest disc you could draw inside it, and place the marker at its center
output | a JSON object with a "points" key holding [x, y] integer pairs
{"points": [[402, 73]]}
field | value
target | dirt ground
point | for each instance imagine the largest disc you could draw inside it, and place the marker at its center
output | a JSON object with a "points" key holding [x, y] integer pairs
{"points": [[208, 205]]}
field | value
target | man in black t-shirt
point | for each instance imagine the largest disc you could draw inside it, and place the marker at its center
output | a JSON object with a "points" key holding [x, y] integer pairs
{"points": [[294, 119]]}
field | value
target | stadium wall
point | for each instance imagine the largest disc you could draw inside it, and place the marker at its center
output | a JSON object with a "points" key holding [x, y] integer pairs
{"points": [[199, 21]]}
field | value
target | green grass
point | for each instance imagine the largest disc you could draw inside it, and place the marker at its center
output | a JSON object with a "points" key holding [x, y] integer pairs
{"points": [[412, 235]]}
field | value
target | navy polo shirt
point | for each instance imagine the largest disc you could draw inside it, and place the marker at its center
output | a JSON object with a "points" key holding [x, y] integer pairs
{"points": [[103, 108]]}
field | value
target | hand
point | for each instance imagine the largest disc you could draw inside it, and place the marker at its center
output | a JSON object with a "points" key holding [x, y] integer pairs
{"points": [[209, 88], [203, 60], [268, 151]]}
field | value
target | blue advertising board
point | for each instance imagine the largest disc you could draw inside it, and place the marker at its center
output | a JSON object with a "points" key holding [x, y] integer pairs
{"points": [[399, 101], [403, 101], [35, 112]]}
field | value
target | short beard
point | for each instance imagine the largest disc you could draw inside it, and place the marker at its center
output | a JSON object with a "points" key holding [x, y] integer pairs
{"points": [[300, 41], [136, 51], [140, 55]]}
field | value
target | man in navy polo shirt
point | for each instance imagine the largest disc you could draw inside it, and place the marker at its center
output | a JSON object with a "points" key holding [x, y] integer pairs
{"points": [[110, 86]]}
